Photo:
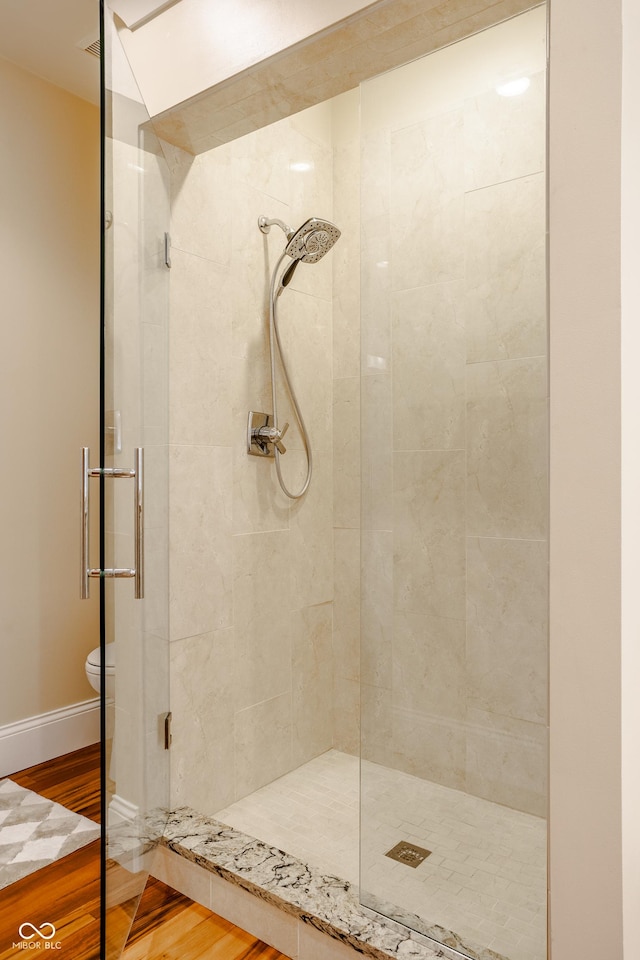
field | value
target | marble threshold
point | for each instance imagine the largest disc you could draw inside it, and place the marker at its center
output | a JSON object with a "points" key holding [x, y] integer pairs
{"points": [[329, 904]]}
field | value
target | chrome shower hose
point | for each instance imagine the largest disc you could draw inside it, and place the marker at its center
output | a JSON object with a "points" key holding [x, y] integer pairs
{"points": [[276, 344]]}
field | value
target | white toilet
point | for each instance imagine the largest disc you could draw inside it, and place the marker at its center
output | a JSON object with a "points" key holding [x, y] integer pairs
{"points": [[92, 667]]}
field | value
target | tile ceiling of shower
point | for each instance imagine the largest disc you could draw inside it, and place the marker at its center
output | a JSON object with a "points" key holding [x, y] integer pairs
{"points": [[326, 65]]}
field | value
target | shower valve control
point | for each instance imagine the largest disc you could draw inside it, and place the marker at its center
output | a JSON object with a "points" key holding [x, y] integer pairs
{"points": [[272, 435], [263, 436]]}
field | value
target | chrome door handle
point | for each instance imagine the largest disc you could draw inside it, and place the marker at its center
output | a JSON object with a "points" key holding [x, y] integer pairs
{"points": [[136, 573], [138, 504]]}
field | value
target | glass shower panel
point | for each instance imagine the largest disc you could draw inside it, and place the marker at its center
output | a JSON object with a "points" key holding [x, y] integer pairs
{"points": [[454, 493], [135, 404]]}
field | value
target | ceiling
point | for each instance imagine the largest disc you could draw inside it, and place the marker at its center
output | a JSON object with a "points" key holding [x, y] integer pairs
{"points": [[42, 36]]}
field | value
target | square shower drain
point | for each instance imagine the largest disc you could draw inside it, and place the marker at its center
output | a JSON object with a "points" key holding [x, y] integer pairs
{"points": [[408, 853]]}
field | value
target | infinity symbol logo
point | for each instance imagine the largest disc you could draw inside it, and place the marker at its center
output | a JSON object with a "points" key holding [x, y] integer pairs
{"points": [[40, 931]]}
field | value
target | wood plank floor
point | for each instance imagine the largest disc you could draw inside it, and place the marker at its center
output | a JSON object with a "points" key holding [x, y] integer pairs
{"points": [[72, 780], [65, 893], [194, 933], [167, 925]]}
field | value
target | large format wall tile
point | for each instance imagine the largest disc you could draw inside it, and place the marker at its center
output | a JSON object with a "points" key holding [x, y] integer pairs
{"points": [[507, 669], [156, 562], [346, 452], [262, 744], [504, 136], [430, 747], [429, 531], [376, 725], [253, 258], [312, 669], [427, 202], [311, 166], [375, 262], [156, 667], [376, 445], [507, 449], [258, 502], [154, 382], [200, 210], [305, 333], [507, 643], [507, 761], [346, 715], [262, 657], [200, 539], [428, 367], [279, 553], [263, 630], [293, 654], [261, 160], [347, 366], [454, 327], [311, 525], [200, 352], [505, 305], [202, 691], [346, 603], [259, 505], [507, 580], [261, 577], [376, 621], [429, 665], [346, 260]]}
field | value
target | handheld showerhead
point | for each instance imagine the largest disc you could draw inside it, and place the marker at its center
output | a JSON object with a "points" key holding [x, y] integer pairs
{"points": [[312, 240], [308, 243]]}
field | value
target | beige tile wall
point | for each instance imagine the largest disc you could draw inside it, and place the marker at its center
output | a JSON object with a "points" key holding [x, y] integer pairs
{"points": [[454, 420], [346, 423], [136, 347], [446, 393], [252, 665]]}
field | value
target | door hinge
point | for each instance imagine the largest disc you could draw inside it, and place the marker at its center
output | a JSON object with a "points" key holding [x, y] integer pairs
{"points": [[167, 250], [167, 731]]}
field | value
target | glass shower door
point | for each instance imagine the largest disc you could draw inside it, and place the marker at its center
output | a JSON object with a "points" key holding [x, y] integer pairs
{"points": [[454, 515], [134, 481]]}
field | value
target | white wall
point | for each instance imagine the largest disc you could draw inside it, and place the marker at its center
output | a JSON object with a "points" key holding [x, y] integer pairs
{"points": [[630, 477], [585, 812], [49, 396]]}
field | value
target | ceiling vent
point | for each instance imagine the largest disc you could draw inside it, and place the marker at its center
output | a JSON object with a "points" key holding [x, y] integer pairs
{"points": [[90, 44]]}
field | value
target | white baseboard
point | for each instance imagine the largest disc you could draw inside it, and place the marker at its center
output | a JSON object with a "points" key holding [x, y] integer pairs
{"points": [[122, 811], [48, 735]]}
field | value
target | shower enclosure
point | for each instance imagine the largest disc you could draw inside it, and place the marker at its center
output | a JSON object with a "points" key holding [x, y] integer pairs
{"points": [[454, 517], [350, 664]]}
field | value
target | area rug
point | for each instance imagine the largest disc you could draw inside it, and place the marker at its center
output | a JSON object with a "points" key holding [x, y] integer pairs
{"points": [[35, 831]]}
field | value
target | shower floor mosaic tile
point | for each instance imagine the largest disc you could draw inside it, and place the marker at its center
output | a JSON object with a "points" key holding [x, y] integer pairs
{"points": [[485, 878], [312, 812], [35, 831]]}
